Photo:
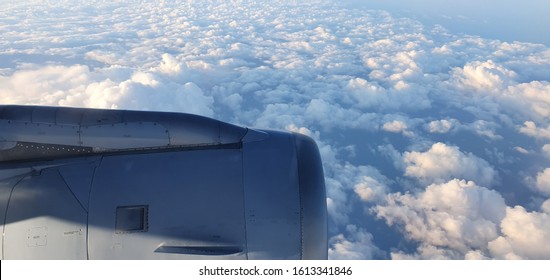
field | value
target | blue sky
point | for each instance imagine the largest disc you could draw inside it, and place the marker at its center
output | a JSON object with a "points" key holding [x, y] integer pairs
{"points": [[508, 20], [435, 140]]}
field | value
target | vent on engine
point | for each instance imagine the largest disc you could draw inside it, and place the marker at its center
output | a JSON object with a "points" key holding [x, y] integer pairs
{"points": [[130, 219]]}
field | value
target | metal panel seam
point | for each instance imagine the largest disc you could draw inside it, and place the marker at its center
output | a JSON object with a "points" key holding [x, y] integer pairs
{"points": [[244, 200], [71, 190], [100, 161], [6, 214], [300, 197]]}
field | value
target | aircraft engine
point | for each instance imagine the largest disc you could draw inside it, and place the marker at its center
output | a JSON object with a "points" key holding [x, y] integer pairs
{"points": [[115, 184]]}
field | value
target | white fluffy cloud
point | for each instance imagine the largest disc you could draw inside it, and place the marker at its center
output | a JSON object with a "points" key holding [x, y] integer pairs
{"points": [[77, 86], [397, 127], [354, 244], [346, 183], [531, 129], [52, 85], [543, 181], [536, 97], [459, 219], [442, 162], [525, 235], [496, 88], [484, 128], [441, 126], [457, 215], [370, 189], [484, 77], [369, 95]]}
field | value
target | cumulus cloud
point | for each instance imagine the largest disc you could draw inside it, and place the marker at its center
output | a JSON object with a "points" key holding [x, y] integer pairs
{"points": [[354, 244], [453, 218], [52, 85], [531, 129], [347, 183], [536, 97], [484, 129], [483, 76], [543, 182], [459, 219], [430, 252], [117, 87], [441, 126], [394, 126], [442, 162], [169, 65], [495, 88], [370, 189], [525, 235], [397, 127], [370, 95]]}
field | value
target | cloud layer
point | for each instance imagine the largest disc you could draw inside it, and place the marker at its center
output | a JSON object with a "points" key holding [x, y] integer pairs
{"points": [[458, 218], [442, 162], [435, 145]]}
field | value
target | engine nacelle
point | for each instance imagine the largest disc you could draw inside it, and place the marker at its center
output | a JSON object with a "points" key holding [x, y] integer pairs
{"points": [[113, 184]]}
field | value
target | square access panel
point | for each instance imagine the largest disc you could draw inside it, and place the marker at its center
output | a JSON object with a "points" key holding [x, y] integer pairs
{"points": [[130, 219]]}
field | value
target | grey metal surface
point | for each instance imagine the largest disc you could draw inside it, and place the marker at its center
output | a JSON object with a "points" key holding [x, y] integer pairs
{"points": [[111, 184], [312, 199], [46, 133], [44, 220], [78, 176], [195, 200], [8, 179], [71, 129], [272, 204], [124, 136]]}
